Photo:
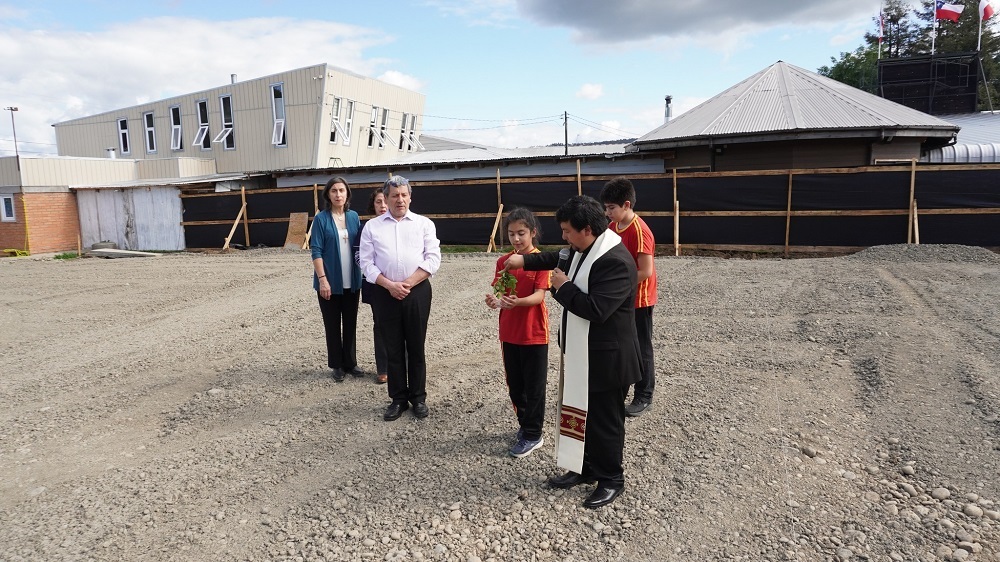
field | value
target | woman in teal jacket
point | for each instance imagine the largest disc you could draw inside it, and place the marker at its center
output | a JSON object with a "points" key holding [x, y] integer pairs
{"points": [[337, 277]]}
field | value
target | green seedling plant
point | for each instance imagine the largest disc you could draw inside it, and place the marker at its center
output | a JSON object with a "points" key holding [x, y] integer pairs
{"points": [[504, 284]]}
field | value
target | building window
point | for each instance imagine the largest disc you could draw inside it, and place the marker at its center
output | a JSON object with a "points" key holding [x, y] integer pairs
{"points": [[123, 144], [203, 138], [383, 133], [372, 131], [176, 138], [403, 141], [413, 134], [335, 128], [226, 136], [7, 208], [278, 108], [147, 121], [348, 122]]}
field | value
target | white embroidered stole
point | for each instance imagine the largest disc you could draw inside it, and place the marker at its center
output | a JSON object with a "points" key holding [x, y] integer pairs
{"points": [[573, 386]]}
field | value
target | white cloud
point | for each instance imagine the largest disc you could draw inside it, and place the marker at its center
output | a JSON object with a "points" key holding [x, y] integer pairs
{"points": [[403, 80], [485, 13], [56, 76], [590, 91]]}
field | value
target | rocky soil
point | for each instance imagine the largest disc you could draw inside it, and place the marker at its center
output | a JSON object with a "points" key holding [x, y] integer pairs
{"points": [[179, 408]]}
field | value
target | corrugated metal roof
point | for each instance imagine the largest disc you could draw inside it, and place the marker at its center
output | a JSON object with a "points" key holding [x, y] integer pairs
{"points": [[786, 98], [977, 128], [191, 180], [964, 154], [475, 153]]}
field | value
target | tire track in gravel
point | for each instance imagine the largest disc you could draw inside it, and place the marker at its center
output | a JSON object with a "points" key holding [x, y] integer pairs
{"points": [[944, 402]]}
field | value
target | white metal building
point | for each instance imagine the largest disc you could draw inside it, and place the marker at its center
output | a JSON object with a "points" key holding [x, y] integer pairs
{"points": [[314, 117]]}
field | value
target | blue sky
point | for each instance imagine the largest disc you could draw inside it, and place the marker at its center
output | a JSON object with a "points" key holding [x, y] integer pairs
{"points": [[487, 67]]}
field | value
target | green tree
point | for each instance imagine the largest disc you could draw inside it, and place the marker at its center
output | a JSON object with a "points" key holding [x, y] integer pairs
{"points": [[859, 68], [901, 31], [961, 37]]}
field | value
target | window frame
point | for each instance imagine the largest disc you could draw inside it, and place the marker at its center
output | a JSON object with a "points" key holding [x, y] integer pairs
{"points": [[204, 130], [176, 132], [279, 130], [4, 217], [383, 133], [414, 142], [335, 119], [149, 131], [348, 122], [226, 136], [124, 141], [372, 131], [403, 141]]}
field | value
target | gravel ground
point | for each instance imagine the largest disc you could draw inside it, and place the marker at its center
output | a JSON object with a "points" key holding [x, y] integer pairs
{"points": [[179, 408]]}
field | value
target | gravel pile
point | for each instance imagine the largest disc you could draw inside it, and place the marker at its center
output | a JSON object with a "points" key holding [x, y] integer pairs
{"points": [[178, 408]]}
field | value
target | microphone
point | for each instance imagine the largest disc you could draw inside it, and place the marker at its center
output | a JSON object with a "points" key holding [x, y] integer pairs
{"points": [[563, 259]]}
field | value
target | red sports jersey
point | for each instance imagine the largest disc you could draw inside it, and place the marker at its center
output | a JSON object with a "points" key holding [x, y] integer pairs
{"points": [[525, 325], [638, 238]]}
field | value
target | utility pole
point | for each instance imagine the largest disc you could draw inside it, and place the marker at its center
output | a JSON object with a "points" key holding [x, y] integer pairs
{"points": [[17, 156], [566, 133]]}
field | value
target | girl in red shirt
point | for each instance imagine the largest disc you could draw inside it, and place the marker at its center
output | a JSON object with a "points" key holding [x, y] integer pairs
{"points": [[524, 334]]}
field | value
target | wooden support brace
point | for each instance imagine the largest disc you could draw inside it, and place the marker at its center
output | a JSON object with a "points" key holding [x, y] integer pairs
{"points": [[496, 224], [235, 224], [916, 223]]}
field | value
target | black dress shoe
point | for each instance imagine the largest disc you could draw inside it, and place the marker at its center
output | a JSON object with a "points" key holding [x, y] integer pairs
{"points": [[395, 410], [569, 480], [338, 375], [356, 372], [420, 410], [602, 496]]}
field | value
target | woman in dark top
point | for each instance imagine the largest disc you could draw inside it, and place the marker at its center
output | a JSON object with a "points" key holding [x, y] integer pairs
{"points": [[337, 277], [376, 206]]}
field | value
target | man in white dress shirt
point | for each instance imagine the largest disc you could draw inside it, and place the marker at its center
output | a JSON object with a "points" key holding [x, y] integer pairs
{"points": [[399, 251]]}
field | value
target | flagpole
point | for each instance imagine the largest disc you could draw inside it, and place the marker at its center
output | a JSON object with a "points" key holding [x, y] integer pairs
{"points": [[934, 34], [979, 42]]}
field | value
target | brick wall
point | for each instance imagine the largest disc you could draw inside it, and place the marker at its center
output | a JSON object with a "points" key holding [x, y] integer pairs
{"points": [[12, 233], [53, 222]]}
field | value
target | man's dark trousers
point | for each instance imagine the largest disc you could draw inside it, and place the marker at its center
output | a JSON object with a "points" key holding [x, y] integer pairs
{"points": [[403, 325]]}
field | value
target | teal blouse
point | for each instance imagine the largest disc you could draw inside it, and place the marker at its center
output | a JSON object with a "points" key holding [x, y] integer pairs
{"points": [[325, 244]]}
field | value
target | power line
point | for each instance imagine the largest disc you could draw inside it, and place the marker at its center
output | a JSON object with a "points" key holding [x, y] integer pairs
{"points": [[555, 119], [600, 126]]}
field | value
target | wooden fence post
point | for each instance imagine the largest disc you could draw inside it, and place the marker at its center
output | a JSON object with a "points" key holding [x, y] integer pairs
{"points": [[579, 179], [677, 228], [788, 213], [916, 223], [246, 223], [913, 183]]}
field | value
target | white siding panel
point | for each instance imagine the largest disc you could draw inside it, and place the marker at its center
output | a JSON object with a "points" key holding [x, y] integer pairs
{"points": [[111, 221], [90, 224], [49, 172], [158, 218], [8, 173]]}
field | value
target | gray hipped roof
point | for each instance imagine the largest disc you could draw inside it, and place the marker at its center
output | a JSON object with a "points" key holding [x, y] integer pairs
{"points": [[784, 101]]}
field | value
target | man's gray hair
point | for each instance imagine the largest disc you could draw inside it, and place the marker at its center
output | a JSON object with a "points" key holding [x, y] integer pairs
{"points": [[396, 181]]}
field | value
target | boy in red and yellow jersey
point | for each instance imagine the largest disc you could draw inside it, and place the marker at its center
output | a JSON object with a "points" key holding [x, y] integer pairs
{"points": [[618, 197]]}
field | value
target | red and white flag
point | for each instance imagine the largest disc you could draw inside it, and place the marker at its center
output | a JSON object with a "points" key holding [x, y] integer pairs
{"points": [[946, 11], [985, 10]]}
